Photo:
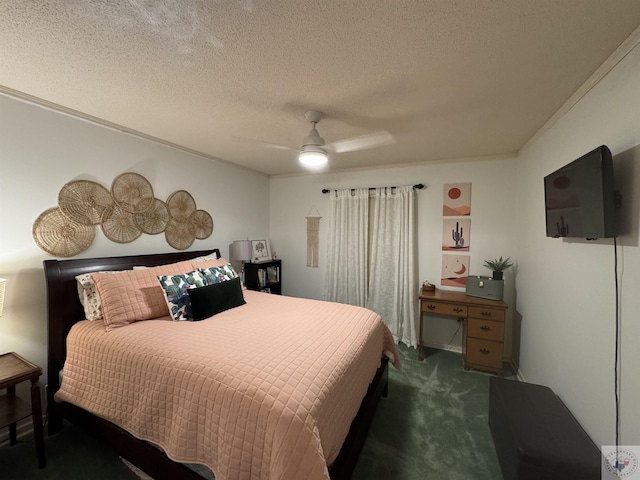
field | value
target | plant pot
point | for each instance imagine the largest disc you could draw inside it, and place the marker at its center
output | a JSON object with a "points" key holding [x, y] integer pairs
{"points": [[497, 275]]}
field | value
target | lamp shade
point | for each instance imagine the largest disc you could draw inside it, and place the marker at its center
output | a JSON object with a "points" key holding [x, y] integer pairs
{"points": [[3, 283], [241, 250]]}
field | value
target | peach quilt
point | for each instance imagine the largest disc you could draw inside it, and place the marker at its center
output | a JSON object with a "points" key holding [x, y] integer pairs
{"points": [[266, 390]]}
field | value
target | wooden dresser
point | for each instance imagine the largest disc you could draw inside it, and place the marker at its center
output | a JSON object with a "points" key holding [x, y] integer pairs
{"points": [[483, 338]]}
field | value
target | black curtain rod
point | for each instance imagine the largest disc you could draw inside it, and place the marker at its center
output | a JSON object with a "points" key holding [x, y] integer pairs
{"points": [[418, 186]]}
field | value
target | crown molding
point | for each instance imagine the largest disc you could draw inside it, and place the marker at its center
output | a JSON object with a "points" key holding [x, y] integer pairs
{"points": [[609, 64]]}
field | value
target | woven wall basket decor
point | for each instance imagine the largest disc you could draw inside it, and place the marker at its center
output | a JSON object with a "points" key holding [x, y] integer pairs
{"points": [[153, 220], [54, 233], [83, 201], [118, 225], [202, 224], [124, 213], [132, 192], [180, 233], [181, 204]]}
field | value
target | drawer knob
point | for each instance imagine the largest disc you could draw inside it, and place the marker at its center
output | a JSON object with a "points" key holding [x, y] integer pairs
{"points": [[431, 307], [486, 328], [485, 351], [486, 313], [457, 310]]}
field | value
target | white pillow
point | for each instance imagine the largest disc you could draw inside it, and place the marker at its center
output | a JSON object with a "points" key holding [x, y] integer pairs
{"points": [[89, 296], [206, 258]]}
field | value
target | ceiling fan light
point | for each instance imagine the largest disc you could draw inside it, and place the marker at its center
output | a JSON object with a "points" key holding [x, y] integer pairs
{"points": [[313, 156]]}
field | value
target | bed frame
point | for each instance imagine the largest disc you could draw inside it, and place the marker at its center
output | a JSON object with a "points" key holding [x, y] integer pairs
{"points": [[64, 309]]}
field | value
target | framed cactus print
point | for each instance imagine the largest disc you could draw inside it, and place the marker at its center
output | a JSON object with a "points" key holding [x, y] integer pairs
{"points": [[456, 234]]}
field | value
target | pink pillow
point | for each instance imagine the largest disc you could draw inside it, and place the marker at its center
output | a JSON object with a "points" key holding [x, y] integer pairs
{"points": [[134, 295]]}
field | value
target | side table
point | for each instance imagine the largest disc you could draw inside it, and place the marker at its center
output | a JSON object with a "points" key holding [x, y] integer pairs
{"points": [[14, 370]]}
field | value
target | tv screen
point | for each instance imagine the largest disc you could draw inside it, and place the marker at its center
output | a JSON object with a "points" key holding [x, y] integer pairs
{"points": [[580, 197]]}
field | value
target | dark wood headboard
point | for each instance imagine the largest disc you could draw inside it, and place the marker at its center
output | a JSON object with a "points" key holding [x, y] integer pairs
{"points": [[64, 307]]}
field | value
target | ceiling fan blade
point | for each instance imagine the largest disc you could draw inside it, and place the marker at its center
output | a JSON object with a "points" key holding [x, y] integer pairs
{"points": [[261, 143], [363, 142]]}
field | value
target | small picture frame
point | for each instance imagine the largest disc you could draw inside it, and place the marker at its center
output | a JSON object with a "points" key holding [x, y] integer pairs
{"points": [[261, 251]]}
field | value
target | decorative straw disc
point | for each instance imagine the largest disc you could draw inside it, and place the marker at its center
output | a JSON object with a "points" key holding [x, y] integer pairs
{"points": [[83, 201], [118, 225], [153, 220], [180, 233], [202, 223], [132, 192], [181, 204], [54, 233]]}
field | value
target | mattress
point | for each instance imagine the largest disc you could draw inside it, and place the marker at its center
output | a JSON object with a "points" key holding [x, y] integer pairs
{"points": [[266, 390]]}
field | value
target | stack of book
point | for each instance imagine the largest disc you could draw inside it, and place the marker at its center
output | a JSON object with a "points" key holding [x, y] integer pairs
{"points": [[268, 276]]}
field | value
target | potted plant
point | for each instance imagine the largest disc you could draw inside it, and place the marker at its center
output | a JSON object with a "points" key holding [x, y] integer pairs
{"points": [[498, 266]]}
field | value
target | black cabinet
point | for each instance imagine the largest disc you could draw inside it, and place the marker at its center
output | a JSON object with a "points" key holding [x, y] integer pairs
{"points": [[264, 276]]}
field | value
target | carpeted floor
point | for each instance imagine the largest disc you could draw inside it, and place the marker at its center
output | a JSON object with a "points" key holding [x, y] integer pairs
{"points": [[433, 425]]}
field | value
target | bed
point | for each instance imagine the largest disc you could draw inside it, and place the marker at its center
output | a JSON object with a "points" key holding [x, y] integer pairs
{"points": [[318, 428]]}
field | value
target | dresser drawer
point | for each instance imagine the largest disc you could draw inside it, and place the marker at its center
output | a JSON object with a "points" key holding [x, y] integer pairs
{"points": [[443, 308], [487, 313], [485, 329], [484, 353]]}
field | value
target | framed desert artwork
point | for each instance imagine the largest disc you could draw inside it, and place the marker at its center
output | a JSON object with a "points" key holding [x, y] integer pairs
{"points": [[455, 270], [456, 234], [456, 200]]}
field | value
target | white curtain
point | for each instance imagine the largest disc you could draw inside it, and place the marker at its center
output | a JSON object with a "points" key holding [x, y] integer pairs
{"points": [[347, 247], [393, 284]]}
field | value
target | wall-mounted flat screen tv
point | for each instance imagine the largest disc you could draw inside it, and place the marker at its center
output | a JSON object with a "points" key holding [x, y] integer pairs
{"points": [[580, 197]]}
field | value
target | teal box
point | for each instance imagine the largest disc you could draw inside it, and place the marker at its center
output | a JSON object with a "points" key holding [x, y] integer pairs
{"points": [[485, 287]]}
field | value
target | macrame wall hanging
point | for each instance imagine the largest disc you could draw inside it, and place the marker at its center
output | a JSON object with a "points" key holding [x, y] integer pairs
{"points": [[123, 213], [313, 237]]}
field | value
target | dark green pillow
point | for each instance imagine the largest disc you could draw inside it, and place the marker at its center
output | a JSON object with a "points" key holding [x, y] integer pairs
{"points": [[216, 298]]}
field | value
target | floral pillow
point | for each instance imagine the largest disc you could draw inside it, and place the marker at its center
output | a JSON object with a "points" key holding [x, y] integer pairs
{"points": [[218, 274], [175, 289]]}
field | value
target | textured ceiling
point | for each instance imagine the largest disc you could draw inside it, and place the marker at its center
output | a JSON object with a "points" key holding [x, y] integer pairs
{"points": [[447, 78]]}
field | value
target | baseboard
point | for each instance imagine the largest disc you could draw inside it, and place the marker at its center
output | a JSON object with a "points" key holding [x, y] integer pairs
{"points": [[442, 346], [24, 427], [517, 371]]}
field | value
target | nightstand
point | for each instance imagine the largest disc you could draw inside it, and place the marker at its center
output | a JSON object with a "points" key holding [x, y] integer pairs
{"points": [[14, 370], [264, 276]]}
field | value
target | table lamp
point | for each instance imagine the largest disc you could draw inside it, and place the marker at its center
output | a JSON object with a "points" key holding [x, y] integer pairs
{"points": [[241, 251]]}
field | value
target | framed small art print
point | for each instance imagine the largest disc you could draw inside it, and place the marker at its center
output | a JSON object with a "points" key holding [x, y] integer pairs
{"points": [[261, 252]]}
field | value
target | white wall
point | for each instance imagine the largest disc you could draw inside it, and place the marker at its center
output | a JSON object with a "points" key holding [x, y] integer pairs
{"points": [[492, 231], [565, 289], [41, 150]]}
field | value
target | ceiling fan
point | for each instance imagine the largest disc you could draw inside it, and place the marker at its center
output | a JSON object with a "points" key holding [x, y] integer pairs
{"points": [[313, 152]]}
